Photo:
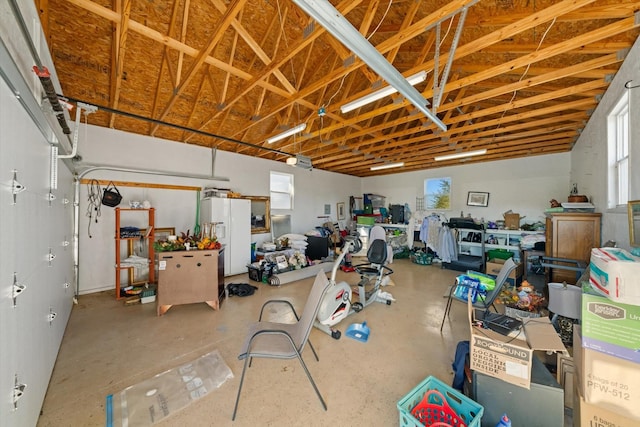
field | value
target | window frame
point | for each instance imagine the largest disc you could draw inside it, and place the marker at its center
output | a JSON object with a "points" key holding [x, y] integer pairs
{"points": [[618, 135], [277, 195], [431, 192]]}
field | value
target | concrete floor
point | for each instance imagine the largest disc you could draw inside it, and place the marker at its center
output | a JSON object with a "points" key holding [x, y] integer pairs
{"points": [[108, 346]]}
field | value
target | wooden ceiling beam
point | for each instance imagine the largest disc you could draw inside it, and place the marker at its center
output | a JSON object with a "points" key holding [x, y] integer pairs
{"points": [[508, 31], [493, 123], [255, 46], [172, 43], [118, 50], [223, 23]]}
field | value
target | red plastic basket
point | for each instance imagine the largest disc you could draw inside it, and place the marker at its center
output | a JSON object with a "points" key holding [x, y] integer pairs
{"points": [[434, 411]]}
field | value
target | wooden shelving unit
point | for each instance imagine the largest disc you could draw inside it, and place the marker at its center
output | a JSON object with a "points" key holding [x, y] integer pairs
{"points": [[149, 237]]}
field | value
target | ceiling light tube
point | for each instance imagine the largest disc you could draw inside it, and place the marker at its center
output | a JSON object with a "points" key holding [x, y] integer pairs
{"points": [[381, 93], [387, 166], [286, 133], [338, 26], [460, 155]]}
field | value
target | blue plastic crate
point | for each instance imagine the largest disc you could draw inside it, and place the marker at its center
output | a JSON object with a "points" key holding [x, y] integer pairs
{"points": [[466, 410]]}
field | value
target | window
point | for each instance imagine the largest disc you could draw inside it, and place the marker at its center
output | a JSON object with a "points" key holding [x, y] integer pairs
{"points": [[437, 193], [281, 190], [618, 153]]}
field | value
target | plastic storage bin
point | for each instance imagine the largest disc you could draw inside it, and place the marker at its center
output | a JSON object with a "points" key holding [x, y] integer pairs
{"points": [[422, 258], [499, 254], [255, 273], [458, 406]]}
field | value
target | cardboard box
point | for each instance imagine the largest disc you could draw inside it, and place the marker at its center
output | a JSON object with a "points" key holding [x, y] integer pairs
{"points": [[609, 326], [615, 273], [512, 221], [510, 358], [494, 266], [587, 414], [608, 382]]}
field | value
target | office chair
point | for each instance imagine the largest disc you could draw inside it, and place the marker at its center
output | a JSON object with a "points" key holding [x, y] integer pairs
{"points": [[481, 303], [276, 340]]}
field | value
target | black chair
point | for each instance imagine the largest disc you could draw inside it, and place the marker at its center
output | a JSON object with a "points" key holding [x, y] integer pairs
{"points": [[481, 303]]}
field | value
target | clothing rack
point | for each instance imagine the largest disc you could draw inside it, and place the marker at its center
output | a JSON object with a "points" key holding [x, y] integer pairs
{"points": [[440, 216]]}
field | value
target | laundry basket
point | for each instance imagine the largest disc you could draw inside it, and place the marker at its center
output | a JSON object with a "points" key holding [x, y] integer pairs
{"points": [[433, 403], [421, 258]]}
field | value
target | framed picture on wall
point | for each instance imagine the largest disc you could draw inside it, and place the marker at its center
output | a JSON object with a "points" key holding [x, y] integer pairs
{"points": [[340, 211], [476, 198]]}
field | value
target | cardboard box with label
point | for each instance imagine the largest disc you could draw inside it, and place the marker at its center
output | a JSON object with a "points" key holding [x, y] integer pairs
{"points": [[587, 414], [615, 273], [494, 266], [606, 381], [609, 326], [510, 358]]}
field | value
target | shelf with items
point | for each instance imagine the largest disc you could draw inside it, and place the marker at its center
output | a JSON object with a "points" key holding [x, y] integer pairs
{"points": [[480, 242], [470, 242], [128, 234], [508, 240], [494, 240]]}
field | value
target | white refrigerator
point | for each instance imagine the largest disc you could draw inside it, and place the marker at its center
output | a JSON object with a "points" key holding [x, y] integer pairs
{"points": [[233, 230]]}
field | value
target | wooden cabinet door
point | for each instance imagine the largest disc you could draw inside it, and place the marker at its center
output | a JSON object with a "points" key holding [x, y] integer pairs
{"points": [[571, 235]]}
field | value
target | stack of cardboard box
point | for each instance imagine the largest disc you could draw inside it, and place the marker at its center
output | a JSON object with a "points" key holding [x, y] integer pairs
{"points": [[606, 345]]}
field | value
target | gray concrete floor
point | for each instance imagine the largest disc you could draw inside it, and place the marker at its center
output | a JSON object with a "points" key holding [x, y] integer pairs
{"points": [[108, 346]]}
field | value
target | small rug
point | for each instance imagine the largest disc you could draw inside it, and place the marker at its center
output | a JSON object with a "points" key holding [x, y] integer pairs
{"points": [[153, 400]]}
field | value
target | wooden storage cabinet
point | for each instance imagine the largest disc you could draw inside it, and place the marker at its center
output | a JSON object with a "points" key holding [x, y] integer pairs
{"points": [[188, 277], [572, 236], [149, 237]]}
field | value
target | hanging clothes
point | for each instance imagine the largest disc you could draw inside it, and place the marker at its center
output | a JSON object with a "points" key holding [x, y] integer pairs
{"points": [[448, 247]]}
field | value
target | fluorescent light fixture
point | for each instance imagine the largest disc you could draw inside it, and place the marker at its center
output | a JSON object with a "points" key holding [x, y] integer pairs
{"points": [[387, 166], [286, 133], [460, 155], [338, 26], [381, 93]]}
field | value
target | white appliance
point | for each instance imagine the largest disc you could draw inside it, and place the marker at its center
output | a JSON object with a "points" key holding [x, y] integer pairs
{"points": [[233, 230]]}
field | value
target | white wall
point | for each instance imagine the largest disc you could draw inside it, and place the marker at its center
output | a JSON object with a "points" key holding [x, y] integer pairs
{"points": [[177, 208], [524, 186], [589, 156]]}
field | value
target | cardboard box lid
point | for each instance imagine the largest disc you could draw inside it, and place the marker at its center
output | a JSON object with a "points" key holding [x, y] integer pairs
{"points": [[541, 335]]}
